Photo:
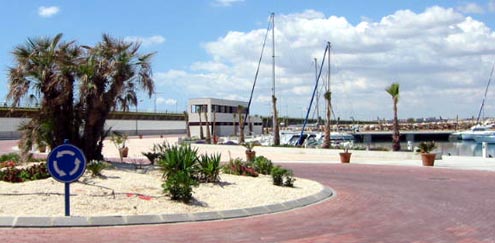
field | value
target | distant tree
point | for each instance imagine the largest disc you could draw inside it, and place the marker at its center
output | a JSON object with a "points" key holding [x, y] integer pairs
{"points": [[79, 86], [393, 90]]}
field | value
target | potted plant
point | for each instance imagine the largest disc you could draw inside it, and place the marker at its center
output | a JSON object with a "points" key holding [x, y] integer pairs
{"points": [[425, 149], [345, 157], [119, 139], [250, 153]]}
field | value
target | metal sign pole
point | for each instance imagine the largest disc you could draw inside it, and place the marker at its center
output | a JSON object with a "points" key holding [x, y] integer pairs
{"points": [[66, 163], [67, 199]]}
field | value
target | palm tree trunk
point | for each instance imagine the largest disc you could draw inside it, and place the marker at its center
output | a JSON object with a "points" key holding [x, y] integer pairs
{"points": [[276, 132], [201, 136], [208, 133], [241, 126], [396, 136], [188, 129], [328, 125]]}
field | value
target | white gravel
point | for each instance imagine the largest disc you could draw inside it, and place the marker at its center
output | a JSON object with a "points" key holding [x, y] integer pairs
{"points": [[126, 192]]}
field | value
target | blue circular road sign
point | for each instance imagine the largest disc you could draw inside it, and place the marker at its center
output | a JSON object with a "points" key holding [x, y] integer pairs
{"points": [[66, 163]]}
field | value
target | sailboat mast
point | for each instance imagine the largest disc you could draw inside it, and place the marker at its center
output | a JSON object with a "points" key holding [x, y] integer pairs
{"points": [[317, 98], [276, 135], [328, 98], [329, 89], [484, 97]]}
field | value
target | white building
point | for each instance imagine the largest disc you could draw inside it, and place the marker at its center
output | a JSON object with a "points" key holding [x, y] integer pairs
{"points": [[223, 117]]}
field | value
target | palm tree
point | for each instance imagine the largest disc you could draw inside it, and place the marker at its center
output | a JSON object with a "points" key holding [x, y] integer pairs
{"points": [[112, 74], [393, 90], [107, 76], [47, 66]]}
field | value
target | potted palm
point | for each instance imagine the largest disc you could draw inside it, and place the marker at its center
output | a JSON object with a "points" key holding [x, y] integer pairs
{"points": [[119, 139], [250, 153], [427, 156], [345, 157]]}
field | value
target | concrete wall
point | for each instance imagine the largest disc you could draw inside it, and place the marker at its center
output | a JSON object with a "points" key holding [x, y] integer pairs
{"points": [[9, 126]]}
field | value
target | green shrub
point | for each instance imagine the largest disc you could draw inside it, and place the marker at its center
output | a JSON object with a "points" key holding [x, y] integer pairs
{"points": [[178, 167], [10, 157], [178, 158], [262, 165], [179, 186], [96, 167], [238, 167], [34, 172], [157, 152], [209, 168], [282, 176]]}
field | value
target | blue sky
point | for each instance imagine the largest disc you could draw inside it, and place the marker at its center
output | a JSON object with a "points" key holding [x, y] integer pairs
{"points": [[441, 52]]}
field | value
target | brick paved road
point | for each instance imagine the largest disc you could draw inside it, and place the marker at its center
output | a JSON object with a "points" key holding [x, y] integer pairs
{"points": [[373, 204]]}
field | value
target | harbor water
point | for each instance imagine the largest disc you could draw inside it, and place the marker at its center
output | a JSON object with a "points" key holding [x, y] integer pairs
{"points": [[460, 148]]}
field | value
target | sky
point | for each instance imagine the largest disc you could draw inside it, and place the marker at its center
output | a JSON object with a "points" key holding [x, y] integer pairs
{"points": [[440, 52]]}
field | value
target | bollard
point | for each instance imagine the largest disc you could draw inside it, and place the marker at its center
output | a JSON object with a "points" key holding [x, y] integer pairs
{"points": [[484, 149], [409, 145]]}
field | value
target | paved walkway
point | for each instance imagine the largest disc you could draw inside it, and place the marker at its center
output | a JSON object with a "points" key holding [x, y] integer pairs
{"points": [[373, 203]]}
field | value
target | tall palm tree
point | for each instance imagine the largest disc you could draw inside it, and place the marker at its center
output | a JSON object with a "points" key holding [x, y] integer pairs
{"points": [[393, 90]]}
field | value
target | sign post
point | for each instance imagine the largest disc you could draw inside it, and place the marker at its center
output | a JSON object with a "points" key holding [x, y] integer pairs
{"points": [[66, 163]]}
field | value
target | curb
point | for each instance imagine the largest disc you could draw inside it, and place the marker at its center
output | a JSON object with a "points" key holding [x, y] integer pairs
{"points": [[95, 221]]}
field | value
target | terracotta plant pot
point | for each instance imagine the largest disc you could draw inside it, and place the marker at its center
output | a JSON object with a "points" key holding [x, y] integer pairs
{"points": [[140, 136], [124, 151], [428, 159], [345, 157], [250, 155], [42, 148]]}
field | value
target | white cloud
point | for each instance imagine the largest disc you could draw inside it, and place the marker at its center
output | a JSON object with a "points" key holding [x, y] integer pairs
{"points": [[226, 3], [170, 101], [161, 101], [146, 41], [436, 50], [47, 12], [471, 8]]}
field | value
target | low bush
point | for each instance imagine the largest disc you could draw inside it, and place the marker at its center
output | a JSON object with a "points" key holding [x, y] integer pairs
{"points": [[208, 168], [96, 167], [238, 167], [262, 165], [10, 157], [179, 186], [178, 167], [33, 172], [157, 152], [282, 176]]}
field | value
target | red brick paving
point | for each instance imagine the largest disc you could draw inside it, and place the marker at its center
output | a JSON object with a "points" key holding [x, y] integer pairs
{"points": [[372, 204]]}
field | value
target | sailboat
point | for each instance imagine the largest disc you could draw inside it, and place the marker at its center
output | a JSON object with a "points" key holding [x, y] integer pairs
{"points": [[334, 137], [479, 132]]}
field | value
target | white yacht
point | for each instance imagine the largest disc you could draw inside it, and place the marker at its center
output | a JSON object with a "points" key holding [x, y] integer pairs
{"points": [[476, 131]]}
